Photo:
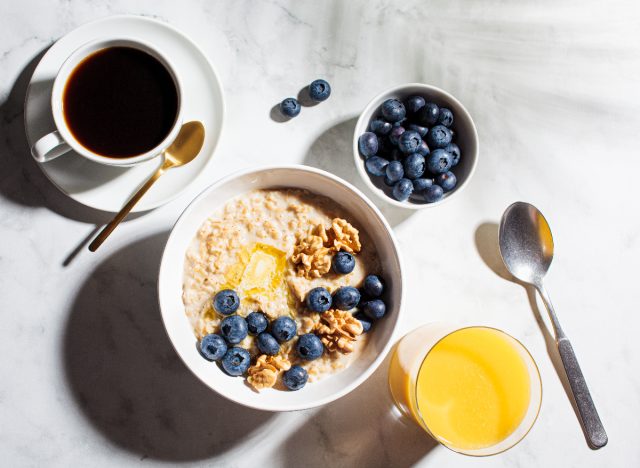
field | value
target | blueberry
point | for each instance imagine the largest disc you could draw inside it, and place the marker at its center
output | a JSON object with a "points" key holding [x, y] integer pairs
{"points": [[256, 323], [364, 320], [346, 298], [414, 166], [414, 103], [376, 165], [284, 328], [420, 184], [319, 90], [213, 347], [267, 344], [439, 161], [393, 110], [402, 190], [318, 300], [433, 194], [236, 361], [295, 378], [226, 302], [428, 114], [394, 134], [446, 180], [373, 286], [368, 144], [388, 182], [309, 347], [445, 117], [343, 263], [438, 137], [374, 309], [381, 127], [384, 146], [395, 155], [423, 148], [234, 329], [394, 171], [290, 107], [422, 131], [455, 152], [409, 141]]}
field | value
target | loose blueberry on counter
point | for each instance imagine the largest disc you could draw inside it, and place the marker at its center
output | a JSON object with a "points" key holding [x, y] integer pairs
{"points": [[368, 144], [381, 127], [309, 347], [319, 90], [447, 181], [236, 361], [267, 344], [284, 328], [234, 329], [213, 347], [395, 133], [376, 165], [428, 115], [422, 131], [423, 148], [346, 298], [439, 161], [318, 300], [290, 107], [402, 190], [455, 153], [373, 286], [413, 104], [226, 302], [433, 194], [364, 320], [374, 309], [438, 137], [414, 166], [420, 184], [409, 142], [295, 378], [394, 171], [445, 117], [257, 323], [343, 263], [393, 110]]}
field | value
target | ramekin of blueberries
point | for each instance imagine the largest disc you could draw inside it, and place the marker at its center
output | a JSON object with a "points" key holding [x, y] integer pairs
{"points": [[415, 145]]}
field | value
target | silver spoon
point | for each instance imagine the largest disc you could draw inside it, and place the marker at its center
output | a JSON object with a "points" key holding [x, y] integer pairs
{"points": [[526, 246]]}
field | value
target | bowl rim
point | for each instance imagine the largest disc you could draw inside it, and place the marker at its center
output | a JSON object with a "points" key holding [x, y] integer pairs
{"points": [[393, 336], [368, 112]]}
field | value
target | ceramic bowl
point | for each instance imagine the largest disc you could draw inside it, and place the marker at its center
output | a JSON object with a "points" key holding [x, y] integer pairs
{"points": [[363, 214], [466, 138]]}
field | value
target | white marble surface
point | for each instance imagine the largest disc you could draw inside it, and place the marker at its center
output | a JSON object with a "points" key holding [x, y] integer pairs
{"points": [[88, 376]]}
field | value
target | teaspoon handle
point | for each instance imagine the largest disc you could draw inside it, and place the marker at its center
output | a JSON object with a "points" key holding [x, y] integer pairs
{"points": [[593, 428]]}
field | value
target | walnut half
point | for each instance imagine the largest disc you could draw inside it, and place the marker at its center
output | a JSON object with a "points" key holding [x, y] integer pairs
{"points": [[338, 330], [264, 372]]}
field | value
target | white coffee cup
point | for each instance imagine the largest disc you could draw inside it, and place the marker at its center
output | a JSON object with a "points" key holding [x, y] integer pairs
{"points": [[61, 140]]}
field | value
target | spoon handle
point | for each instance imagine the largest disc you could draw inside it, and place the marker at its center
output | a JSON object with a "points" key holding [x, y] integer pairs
{"points": [[108, 229]]}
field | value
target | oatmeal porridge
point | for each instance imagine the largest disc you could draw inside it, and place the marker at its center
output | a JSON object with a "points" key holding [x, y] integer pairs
{"points": [[281, 253]]}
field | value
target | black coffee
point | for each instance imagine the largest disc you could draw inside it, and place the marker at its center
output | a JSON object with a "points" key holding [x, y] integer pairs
{"points": [[120, 102]]}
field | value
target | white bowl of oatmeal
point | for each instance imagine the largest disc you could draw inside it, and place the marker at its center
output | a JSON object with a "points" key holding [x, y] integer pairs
{"points": [[270, 235]]}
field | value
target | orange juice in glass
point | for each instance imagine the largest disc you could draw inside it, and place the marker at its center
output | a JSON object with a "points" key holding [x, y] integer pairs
{"points": [[476, 390]]}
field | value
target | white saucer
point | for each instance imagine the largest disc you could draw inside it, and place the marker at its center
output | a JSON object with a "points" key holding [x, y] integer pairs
{"points": [[105, 187]]}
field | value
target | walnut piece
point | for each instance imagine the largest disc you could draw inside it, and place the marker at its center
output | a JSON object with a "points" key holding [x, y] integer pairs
{"points": [[313, 250], [338, 330], [264, 373]]}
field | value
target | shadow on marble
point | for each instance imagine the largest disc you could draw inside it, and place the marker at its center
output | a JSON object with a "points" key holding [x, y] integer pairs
{"points": [[361, 429], [22, 181], [125, 375], [487, 245], [332, 151], [277, 116]]}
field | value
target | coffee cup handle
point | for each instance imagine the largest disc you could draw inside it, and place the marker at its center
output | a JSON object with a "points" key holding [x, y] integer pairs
{"points": [[49, 147]]}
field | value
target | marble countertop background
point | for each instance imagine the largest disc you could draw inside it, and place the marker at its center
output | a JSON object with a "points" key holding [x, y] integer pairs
{"points": [[88, 375]]}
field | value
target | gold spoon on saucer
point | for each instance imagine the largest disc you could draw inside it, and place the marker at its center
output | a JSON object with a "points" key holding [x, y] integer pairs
{"points": [[183, 150]]}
